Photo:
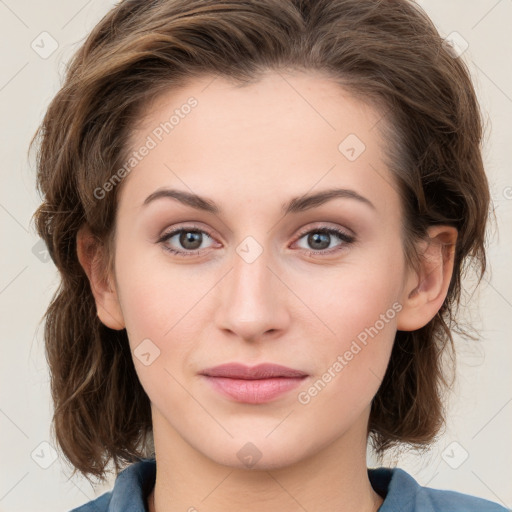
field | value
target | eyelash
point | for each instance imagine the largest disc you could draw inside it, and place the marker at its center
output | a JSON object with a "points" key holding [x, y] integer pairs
{"points": [[344, 237]]}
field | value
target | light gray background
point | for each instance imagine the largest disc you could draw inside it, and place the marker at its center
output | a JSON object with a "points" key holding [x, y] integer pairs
{"points": [[480, 413]]}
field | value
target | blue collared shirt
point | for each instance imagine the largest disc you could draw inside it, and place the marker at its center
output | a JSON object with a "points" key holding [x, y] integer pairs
{"points": [[400, 491]]}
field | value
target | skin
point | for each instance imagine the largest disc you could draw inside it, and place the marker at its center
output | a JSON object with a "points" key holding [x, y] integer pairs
{"points": [[250, 150]]}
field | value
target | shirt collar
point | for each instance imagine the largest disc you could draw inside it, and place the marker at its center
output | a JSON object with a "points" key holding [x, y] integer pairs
{"points": [[399, 490], [132, 486]]}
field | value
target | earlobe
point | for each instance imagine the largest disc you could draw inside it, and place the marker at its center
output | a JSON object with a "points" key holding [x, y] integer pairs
{"points": [[92, 258], [425, 291]]}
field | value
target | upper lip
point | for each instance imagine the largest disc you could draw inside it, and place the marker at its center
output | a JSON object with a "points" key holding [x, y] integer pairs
{"points": [[261, 371]]}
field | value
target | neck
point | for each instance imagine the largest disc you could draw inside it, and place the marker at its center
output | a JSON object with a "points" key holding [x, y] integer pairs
{"points": [[332, 479]]}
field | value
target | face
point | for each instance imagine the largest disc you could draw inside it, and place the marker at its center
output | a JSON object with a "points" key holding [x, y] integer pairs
{"points": [[256, 272]]}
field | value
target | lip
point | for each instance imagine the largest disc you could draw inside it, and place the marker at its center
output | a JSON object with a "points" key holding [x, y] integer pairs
{"points": [[261, 371], [253, 385]]}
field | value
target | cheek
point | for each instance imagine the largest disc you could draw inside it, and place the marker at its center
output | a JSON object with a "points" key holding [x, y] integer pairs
{"points": [[155, 300], [352, 367], [154, 296], [358, 303], [353, 296]]}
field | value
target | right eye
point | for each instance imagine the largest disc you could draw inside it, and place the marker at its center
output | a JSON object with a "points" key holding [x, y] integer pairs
{"points": [[185, 241]]}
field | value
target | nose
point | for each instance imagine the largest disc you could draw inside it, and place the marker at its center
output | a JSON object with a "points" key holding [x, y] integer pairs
{"points": [[253, 301]]}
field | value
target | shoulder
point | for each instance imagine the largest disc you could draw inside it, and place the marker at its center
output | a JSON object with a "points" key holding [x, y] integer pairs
{"points": [[449, 500], [100, 504], [131, 488], [403, 493]]}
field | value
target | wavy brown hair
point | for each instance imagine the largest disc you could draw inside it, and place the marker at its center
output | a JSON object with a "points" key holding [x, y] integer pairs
{"points": [[387, 53]]}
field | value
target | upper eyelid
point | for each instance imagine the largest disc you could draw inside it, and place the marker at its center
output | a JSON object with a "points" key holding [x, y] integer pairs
{"points": [[325, 227], [301, 232], [174, 231]]}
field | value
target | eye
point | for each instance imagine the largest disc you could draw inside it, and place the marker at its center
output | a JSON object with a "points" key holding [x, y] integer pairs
{"points": [[188, 241], [320, 240], [185, 241]]}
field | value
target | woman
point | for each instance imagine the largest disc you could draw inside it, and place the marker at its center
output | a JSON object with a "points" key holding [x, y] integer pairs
{"points": [[260, 212]]}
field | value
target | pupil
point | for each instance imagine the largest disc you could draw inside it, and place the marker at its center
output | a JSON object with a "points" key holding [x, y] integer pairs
{"points": [[317, 239], [190, 237]]}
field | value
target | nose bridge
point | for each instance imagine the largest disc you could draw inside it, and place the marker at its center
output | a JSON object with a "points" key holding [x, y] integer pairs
{"points": [[251, 276], [250, 302]]}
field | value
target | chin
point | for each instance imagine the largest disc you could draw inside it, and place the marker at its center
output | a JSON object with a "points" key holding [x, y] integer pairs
{"points": [[258, 454]]}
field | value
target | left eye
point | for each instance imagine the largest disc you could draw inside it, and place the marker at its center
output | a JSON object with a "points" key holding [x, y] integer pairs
{"points": [[320, 239]]}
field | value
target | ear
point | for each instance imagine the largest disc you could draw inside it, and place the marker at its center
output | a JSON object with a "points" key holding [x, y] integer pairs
{"points": [[425, 290], [92, 258]]}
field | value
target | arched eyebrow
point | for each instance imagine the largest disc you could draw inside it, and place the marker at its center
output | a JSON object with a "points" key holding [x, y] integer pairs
{"points": [[295, 205], [307, 201]]}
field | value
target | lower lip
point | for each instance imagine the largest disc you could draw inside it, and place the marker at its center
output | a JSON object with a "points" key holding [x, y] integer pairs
{"points": [[255, 391]]}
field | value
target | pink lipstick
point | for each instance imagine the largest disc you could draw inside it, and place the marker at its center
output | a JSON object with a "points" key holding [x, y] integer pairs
{"points": [[253, 385]]}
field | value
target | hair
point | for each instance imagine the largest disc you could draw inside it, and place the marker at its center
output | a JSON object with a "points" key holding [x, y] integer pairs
{"points": [[386, 53]]}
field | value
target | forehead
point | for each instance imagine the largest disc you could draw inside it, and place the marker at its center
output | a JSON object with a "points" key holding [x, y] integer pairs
{"points": [[280, 136]]}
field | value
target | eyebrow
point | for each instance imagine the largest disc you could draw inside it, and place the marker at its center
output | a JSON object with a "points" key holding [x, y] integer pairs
{"points": [[295, 205]]}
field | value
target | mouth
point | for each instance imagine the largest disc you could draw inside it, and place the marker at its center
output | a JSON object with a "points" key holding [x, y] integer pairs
{"points": [[253, 385]]}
